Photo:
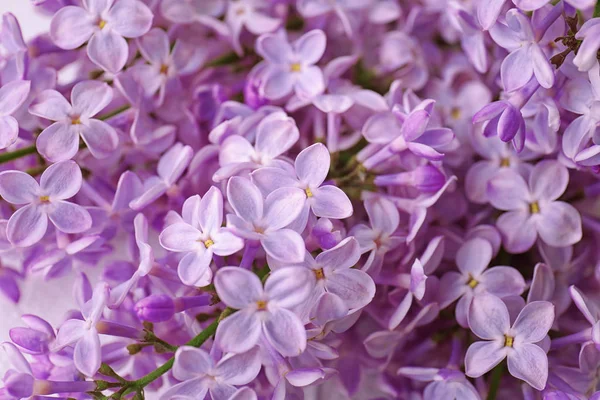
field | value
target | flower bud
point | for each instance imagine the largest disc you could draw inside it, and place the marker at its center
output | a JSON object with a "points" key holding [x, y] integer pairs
{"points": [[155, 308]]}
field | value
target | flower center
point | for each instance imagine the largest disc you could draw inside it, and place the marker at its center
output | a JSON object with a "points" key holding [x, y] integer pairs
{"points": [[45, 199], [308, 192], [75, 121], [319, 273], [505, 162], [534, 207], [295, 67], [101, 24], [208, 243], [240, 11], [472, 282], [164, 69], [261, 305], [508, 341], [455, 113]]}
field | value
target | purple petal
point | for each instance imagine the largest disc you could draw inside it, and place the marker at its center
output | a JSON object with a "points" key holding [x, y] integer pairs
{"points": [[282, 206], [191, 363], [108, 50], [548, 180], [61, 180], [71, 27], [87, 356], [9, 287], [586, 57], [270, 178], [544, 73], [474, 256], [516, 69], [488, 317], [245, 199], [130, 18], [581, 302], [12, 96], [239, 332], [354, 287], [276, 134], [190, 389], [343, 256], [330, 202], [312, 164], [180, 237], [58, 142], [101, 138], [274, 48], [383, 214], [488, 12], [69, 217], [285, 245], [310, 82], [9, 131], [211, 210], [225, 243], [529, 363], [507, 190], [51, 105], [289, 286], [518, 231], [559, 224], [278, 84], [311, 46], [285, 332], [194, 268], [27, 226], [304, 377], [17, 187], [239, 369], [90, 97], [503, 281], [238, 287], [481, 357], [533, 323], [155, 46]]}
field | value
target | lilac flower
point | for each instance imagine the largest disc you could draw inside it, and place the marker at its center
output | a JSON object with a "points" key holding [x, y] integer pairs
{"points": [[311, 169], [251, 15], [60, 141], [533, 209], [264, 220], [416, 290], [526, 58], [275, 135], [105, 24], [171, 167], [472, 259], [201, 373], [489, 320], [12, 96], [444, 383], [261, 311], [9, 286], [84, 334], [45, 200], [14, 57], [203, 11], [379, 238], [199, 235], [36, 338], [292, 67]]}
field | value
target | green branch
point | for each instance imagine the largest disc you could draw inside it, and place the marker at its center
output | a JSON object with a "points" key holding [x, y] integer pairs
{"points": [[597, 10]]}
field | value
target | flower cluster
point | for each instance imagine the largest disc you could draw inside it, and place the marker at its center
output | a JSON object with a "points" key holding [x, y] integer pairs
{"points": [[289, 199]]}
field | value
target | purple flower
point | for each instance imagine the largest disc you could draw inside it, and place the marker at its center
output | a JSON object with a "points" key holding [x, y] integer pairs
{"points": [[265, 220], [171, 167], [45, 200], [311, 169], [12, 96], [526, 58], [472, 259], [275, 135], [13, 50], [201, 373], [9, 286], [36, 338], [261, 311], [60, 141], [291, 68], [443, 383], [84, 334], [587, 54], [249, 14], [199, 235], [106, 24], [533, 209], [341, 8], [489, 320]]}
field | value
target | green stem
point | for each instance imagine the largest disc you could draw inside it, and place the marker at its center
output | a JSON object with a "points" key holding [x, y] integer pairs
{"points": [[597, 10], [495, 381], [114, 112]]}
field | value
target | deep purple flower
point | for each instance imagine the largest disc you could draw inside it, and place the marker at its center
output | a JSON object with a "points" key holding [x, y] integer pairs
{"points": [[12, 96]]}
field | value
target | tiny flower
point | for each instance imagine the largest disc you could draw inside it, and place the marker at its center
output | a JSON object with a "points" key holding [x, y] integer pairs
{"points": [[36, 338], [200, 373], [198, 236], [472, 278], [12, 96], [105, 24], [341, 8], [60, 141], [262, 311], [489, 320], [249, 14], [311, 169], [44, 201], [587, 54], [443, 383], [291, 68], [533, 209], [265, 220]]}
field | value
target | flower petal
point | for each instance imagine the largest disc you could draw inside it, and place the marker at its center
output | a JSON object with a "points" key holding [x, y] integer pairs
{"points": [[90, 97], [130, 18], [108, 50], [180, 237], [87, 356], [101, 138], [331, 202], [17, 187], [534, 322], [529, 363], [503, 281], [481, 357], [27, 226], [516, 69], [282, 206], [68, 334], [559, 224], [353, 286], [191, 363], [194, 268], [311, 46], [276, 134], [245, 199], [237, 287], [239, 332], [58, 142], [474, 256], [488, 317], [71, 27], [12, 96], [285, 332], [312, 164], [69, 217], [211, 210], [285, 245], [61, 180], [518, 231], [507, 190], [239, 369]]}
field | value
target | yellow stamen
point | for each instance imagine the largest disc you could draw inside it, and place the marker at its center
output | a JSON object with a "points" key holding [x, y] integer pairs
{"points": [[505, 162], [45, 199], [164, 69], [534, 207], [75, 121], [455, 113], [295, 67], [208, 243], [508, 341], [261, 305], [319, 273], [472, 283], [240, 11], [101, 24], [309, 192]]}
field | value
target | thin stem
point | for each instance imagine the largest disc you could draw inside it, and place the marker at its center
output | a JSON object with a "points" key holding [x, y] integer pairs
{"points": [[114, 112], [597, 10]]}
